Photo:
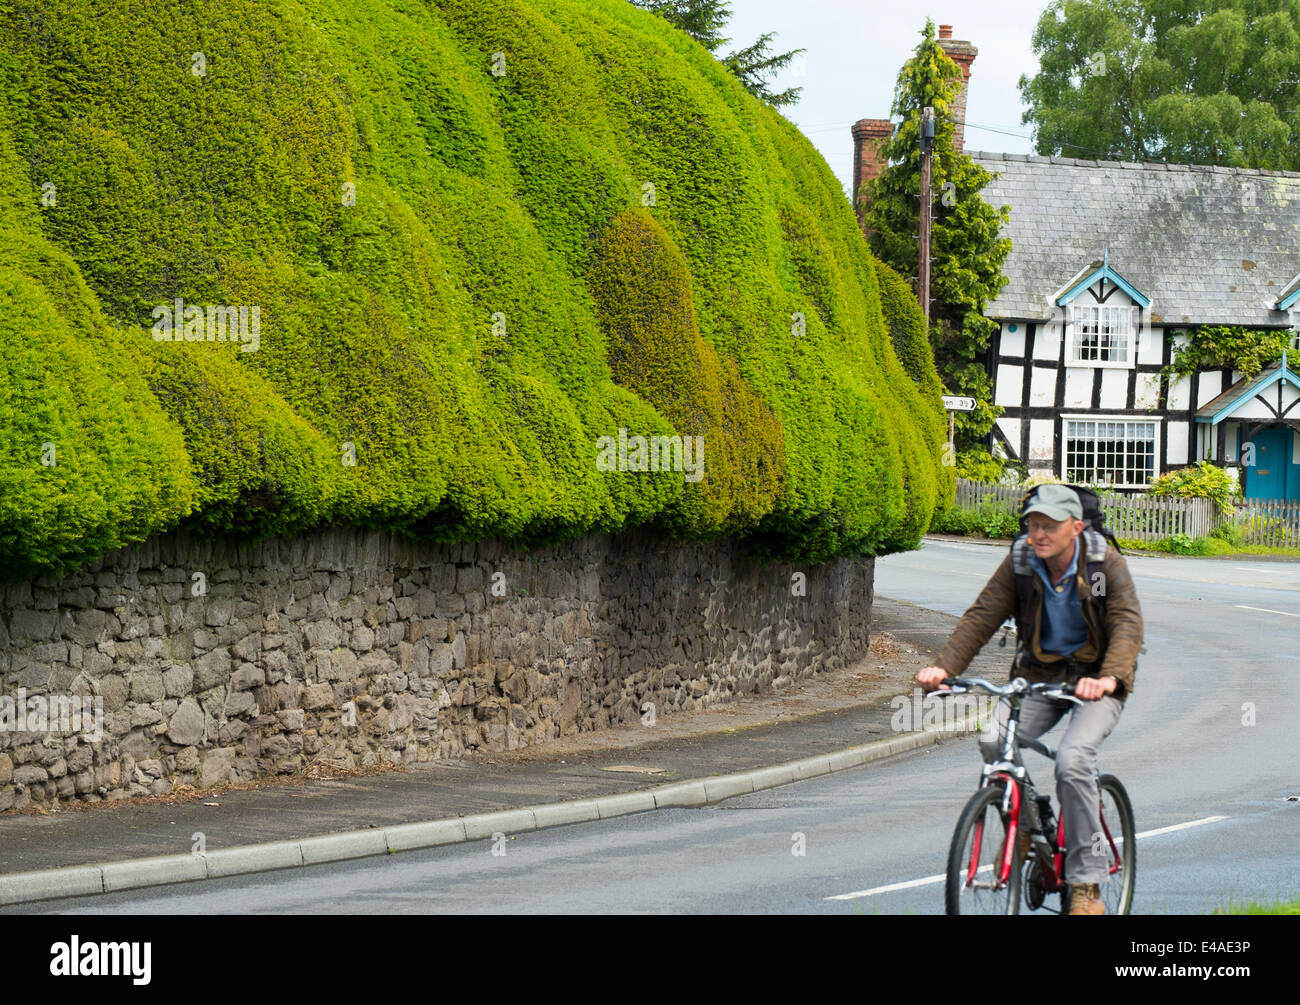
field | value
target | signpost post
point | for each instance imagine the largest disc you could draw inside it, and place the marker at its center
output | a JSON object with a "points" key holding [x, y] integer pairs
{"points": [[954, 404], [923, 266]]}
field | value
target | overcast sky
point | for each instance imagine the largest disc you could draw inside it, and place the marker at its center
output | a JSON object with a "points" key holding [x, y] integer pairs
{"points": [[856, 48]]}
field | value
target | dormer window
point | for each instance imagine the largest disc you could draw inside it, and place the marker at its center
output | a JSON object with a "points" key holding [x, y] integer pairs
{"points": [[1100, 334], [1100, 329]]}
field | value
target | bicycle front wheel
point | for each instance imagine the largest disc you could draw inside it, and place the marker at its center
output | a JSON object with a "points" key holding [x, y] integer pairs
{"points": [[1120, 834], [974, 884]]}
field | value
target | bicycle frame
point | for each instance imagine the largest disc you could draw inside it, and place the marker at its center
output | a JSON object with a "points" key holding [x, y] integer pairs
{"points": [[1054, 867], [1014, 776]]}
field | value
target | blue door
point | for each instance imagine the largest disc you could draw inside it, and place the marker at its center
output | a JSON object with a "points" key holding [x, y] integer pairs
{"points": [[1267, 478]]}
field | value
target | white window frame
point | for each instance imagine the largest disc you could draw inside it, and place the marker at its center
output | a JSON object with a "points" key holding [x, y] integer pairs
{"points": [[1117, 321], [1067, 418], [1207, 442]]}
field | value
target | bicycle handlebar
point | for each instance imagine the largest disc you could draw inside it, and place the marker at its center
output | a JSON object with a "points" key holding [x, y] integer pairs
{"points": [[1018, 686]]}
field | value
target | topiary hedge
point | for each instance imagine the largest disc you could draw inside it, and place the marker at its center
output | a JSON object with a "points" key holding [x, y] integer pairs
{"points": [[479, 237]]}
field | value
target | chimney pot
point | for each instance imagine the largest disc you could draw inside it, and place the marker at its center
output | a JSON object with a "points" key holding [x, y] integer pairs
{"points": [[945, 31]]}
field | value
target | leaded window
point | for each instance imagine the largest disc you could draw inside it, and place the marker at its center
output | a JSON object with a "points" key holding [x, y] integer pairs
{"points": [[1116, 452]]}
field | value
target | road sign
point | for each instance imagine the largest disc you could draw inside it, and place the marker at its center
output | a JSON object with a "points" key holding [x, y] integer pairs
{"points": [[955, 404]]}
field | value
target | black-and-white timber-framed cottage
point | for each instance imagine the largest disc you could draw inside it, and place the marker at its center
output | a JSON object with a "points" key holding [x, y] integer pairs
{"points": [[1111, 264]]}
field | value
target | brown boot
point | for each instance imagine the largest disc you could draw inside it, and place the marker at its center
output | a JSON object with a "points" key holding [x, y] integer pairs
{"points": [[1085, 898]]}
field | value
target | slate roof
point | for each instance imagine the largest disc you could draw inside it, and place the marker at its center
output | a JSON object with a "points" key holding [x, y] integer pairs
{"points": [[1208, 245]]}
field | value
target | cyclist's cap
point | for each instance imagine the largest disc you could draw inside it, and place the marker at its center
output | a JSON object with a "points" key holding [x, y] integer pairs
{"points": [[1055, 502]]}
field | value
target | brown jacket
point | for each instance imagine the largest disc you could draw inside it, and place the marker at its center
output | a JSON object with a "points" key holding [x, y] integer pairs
{"points": [[998, 601]]}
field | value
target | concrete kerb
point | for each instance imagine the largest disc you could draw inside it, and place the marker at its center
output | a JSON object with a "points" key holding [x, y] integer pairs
{"points": [[153, 871], [76, 881], [484, 825], [349, 844], [624, 803], [690, 793], [430, 834], [253, 858]]}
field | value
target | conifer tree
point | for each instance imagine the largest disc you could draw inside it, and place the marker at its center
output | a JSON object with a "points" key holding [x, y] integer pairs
{"points": [[966, 252]]}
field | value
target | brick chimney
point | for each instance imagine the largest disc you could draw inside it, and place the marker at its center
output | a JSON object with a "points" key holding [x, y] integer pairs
{"points": [[868, 135], [963, 54]]}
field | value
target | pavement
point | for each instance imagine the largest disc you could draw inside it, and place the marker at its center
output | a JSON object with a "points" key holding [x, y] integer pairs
{"points": [[832, 722]]}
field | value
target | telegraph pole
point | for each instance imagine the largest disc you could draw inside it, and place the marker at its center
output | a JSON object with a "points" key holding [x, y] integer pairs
{"points": [[927, 152]]}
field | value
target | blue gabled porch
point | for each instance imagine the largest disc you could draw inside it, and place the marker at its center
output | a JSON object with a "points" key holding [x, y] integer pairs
{"points": [[1254, 426]]}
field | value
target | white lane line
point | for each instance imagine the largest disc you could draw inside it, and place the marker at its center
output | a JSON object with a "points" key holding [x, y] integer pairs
{"points": [[1247, 607], [928, 880], [890, 888], [1180, 827]]}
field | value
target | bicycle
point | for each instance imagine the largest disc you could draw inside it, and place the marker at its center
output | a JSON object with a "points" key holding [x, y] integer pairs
{"points": [[1005, 802]]}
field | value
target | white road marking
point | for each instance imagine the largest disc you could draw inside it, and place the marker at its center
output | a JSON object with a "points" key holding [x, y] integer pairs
{"points": [[1247, 607], [1180, 827], [929, 880], [888, 889]]}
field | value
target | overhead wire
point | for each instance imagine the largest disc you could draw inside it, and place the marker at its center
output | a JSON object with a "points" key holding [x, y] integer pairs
{"points": [[966, 123]]}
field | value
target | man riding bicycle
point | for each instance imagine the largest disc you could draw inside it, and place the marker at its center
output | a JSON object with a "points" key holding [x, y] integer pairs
{"points": [[1073, 624]]}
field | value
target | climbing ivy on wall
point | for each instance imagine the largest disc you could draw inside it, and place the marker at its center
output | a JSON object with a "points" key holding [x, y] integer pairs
{"points": [[1249, 350]]}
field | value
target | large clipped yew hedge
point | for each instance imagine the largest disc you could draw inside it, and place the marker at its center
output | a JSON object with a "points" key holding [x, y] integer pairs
{"points": [[479, 235]]}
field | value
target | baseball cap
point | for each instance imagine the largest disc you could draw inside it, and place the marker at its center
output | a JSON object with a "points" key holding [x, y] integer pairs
{"points": [[1055, 502]]}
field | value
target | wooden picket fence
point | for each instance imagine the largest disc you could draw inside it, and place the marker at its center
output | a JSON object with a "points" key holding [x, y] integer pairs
{"points": [[1153, 518], [977, 495], [1272, 522], [1137, 517]]}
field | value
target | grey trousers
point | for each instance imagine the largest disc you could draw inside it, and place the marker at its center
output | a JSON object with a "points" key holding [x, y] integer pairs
{"points": [[1076, 767]]}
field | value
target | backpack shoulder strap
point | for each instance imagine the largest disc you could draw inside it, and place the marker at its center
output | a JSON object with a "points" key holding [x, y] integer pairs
{"points": [[1094, 546], [1020, 553], [1024, 573]]}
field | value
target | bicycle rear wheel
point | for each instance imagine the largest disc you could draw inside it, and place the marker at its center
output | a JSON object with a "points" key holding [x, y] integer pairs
{"points": [[1120, 833], [975, 857]]}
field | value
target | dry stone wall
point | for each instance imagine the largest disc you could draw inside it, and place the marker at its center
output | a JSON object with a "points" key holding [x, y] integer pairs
{"points": [[215, 662]]}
